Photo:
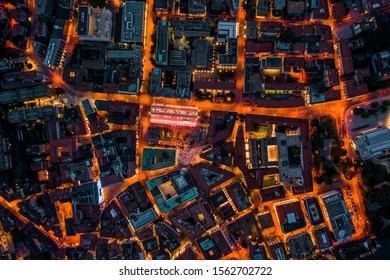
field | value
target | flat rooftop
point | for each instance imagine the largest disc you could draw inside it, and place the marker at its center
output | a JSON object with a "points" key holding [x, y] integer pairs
{"points": [[174, 115], [373, 142], [340, 219], [162, 42], [133, 22]]}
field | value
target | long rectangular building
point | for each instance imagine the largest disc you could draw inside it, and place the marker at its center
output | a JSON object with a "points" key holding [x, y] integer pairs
{"points": [[373, 143], [174, 115], [162, 42], [191, 28], [338, 215], [133, 17]]}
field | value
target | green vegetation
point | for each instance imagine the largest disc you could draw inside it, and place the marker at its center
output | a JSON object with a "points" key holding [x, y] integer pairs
{"points": [[358, 111], [374, 174], [323, 128], [378, 208], [338, 151], [287, 36], [329, 172]]}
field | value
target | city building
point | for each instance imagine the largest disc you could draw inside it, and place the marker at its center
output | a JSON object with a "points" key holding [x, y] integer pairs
{"points": [[381, 63], [277, 249], [338, 216], [220, 154], [265, 220], [172, 189], [278, 6], [197, 7], [322, 238], [55, 50], [221, 126], [174, 115], [290, 215], [214, 246], [270, 28], [201, 54], [313, 210], [5, 154], [373, 143], [237, 194], [301, 246], [94, 24], [113, 223], [93, 67], [231, 57], [155, 159], [87, 194], [133, 17], [191, 28], [177, 58], [194, 219], [162, 42], [244, 228], [345, 55], [262, 8], [136, 206], [227, 30], [208, 177], [116, 155]]}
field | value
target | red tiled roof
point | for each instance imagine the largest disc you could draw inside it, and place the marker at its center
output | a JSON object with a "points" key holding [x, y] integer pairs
{"points": [[352, 89], [332, 95], [271, 27], [338, 10], [297, 30], [62, 148], [298, 62], [326, 47], [285, 209], [333, 77], [214, 83], [345, 54], [259, 47], [299, 47]]}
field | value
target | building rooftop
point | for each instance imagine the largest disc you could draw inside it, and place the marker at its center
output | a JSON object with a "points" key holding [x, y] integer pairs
{"points": [[172, 189], [313, 211], [133, 22], [208, 176], [193, 220], [174, 115], [227, 30], [238, 196], [373, 143], [265, 220], [87, 194], [339, 217], [191, 28], [277, 249], [301, 246], [94, 24], [322, 238], [155, 159], [290, 215], [162, 42]]}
